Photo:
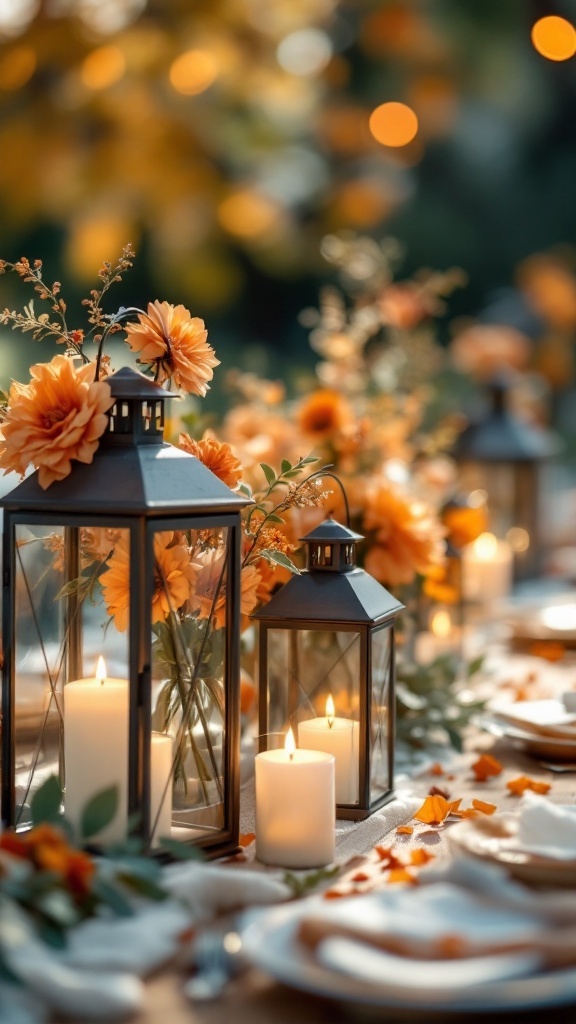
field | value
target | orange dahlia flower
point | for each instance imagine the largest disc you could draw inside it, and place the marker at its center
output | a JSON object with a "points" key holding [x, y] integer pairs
{"points": [[325, 413], [59, 416], [409, 539], [210, 587], [173, 575], [216, 456], [169, 337]]}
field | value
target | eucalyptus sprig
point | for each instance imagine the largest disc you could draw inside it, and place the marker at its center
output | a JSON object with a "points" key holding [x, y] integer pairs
{"points": [[432, 705]]}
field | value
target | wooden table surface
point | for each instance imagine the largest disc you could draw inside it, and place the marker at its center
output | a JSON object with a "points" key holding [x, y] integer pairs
{"points": [[253, 998]]}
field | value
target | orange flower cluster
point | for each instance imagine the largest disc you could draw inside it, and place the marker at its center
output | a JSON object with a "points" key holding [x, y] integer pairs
{"points": [[174, 343], [216, 455], [47, 849], [407, 537], [58, 417]]}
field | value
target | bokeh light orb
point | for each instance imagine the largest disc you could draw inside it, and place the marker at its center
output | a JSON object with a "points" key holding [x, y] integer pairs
{"points": [[103, 67], [193, 72], [554, 37], [393, 124]]}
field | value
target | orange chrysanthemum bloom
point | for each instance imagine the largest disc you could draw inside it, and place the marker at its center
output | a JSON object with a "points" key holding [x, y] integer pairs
{"points": [[465, 523], [173, 576], [216, 456], [408, 538], [170, 338], [210, 587], [59, 416], [325, 414]]}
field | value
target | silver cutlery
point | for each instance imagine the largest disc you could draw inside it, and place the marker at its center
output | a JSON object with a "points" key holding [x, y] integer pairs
{"points": [[216, 956], [558, 766]]}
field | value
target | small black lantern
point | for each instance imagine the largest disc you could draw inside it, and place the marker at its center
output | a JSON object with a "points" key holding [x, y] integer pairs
{"points": [[504, 456], [135, 558], [327, 666]]}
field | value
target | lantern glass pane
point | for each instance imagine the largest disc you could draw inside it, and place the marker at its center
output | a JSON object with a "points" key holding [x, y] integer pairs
{"points": [[189, 649], [380, 739], [68, 723], [307, 667]]}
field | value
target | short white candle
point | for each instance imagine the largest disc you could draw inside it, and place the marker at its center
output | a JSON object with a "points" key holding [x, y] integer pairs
{"points": [[295, 807], [486, 569], [335, 736], [96, 747], [161, 757]]}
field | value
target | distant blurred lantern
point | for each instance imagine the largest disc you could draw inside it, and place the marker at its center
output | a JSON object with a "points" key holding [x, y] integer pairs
{"points": [[504, 456], [327, 666], [136, 557]]}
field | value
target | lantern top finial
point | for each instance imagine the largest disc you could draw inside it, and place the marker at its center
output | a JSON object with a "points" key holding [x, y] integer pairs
{"points": [[137, 416], [331, 547]]}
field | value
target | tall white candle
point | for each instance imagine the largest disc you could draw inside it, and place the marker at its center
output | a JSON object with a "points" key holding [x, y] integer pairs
{"points": [[96, 747], [335, 736], [486, 569], [161, 756], [295, 807]]}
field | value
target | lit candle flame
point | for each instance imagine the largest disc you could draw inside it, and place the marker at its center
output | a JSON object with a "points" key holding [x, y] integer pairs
{"points": [[441, 624], [486, 546], [101, 670], [330, 710], [290, 744]]}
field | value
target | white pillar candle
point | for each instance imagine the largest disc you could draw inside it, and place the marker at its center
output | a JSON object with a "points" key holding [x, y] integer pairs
{"points": [[295, 807], [486, 569], [161, 757], [96, 747], [335, 736]]}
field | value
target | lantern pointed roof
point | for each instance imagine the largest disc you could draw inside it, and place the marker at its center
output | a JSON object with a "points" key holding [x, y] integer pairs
{"points": [[351, 597], [329, 531]]}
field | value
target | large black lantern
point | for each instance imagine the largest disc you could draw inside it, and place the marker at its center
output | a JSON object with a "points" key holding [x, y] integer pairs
{"points": [[327, 668], [503, 455], [121, 634]]}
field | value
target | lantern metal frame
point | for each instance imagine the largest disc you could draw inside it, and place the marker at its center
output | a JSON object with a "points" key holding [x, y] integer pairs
{"points": [[334, 594], [498, 439], [140, 483]]}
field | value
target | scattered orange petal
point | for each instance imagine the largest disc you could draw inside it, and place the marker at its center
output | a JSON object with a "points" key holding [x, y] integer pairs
{"points": [[451, 947], [360, 876], [436, 769], [400, 875], [454, 805], [481, 805], [518, 785], [485, 766], [246, 838], [383, 852], [420, 856], [433, 810], [333, 894], [405, 830]]}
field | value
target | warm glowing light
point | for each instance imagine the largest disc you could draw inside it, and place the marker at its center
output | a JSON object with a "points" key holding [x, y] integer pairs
{"points": [[193, 72], [518, 538], [16, 14], [103, 67], [554, 38], [441, 624], [101, 669], [247, 214], [485, 546], [393, 124], [330, 710], [290, 744], [561, 617], [17, 66], [477, 498], [305, 52], [92, 238]]}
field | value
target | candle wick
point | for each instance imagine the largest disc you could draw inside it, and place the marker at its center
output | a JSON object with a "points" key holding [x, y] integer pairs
{"points": [[291, 755], [330, 721]]}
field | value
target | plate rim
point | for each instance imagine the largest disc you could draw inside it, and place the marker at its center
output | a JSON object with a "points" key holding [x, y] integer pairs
{"points": [[276, 926]]}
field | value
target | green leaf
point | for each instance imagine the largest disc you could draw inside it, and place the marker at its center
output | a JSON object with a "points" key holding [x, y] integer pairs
{"points": [[474, 666], [110, 895], [245, 489], [273, 518], [281, 559], [99, 812], [46, 803], [286, 465], [269, 473]]}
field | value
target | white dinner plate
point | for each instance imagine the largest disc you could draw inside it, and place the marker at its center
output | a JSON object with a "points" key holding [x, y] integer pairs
{"points": [[540, 746], [270, 942]]}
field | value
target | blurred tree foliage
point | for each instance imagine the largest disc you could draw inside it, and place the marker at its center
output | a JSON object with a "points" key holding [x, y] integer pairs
{"points": [[225, 138]]}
